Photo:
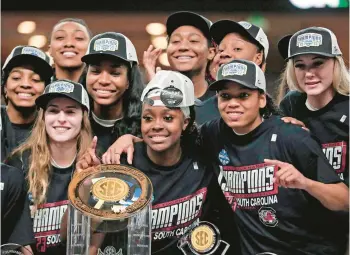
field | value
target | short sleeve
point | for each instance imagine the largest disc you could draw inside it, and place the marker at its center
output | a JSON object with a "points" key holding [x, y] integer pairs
{"points": [[14, 209], [309, 159]]}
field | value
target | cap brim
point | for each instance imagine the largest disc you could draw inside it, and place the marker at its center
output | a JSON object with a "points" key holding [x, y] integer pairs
{"points": [[283, 45], [313, 52], [223, 27], [40, 65], [44, 99], [219, 84], [96, 57], [179, 19]]}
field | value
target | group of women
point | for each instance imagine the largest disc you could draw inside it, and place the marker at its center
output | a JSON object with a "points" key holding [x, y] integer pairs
{"points": [[267, 184]]}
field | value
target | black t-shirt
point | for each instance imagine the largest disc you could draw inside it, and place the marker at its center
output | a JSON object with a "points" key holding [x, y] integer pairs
{"points": [[12, 135], [46, 221], [271, 218], [207, 110], [330, 125], [105, 136], [13, 208], [175, 188], [208, 94]]}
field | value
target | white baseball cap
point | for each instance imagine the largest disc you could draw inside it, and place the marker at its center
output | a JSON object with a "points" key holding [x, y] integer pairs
{"points": [[174, 89]]}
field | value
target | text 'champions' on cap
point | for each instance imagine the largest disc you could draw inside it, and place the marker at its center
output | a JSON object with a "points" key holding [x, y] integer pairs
{"points": [[64, 88], [177, 90], [32, 56], [243, 72], [111, 44], [312, 40]]}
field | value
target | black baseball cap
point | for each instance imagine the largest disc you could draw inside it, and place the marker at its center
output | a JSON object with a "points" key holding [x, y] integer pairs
{"points": [[111, 44], [31, 55], [186, 18], [222, 28], [64, 88], [243, 72], [311, 40]]}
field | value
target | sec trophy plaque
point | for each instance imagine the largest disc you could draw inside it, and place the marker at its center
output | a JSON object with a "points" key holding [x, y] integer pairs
{"points": [[109, 211], [203, 239]]}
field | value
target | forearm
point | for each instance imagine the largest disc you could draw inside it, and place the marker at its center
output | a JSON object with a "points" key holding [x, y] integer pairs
{"points": [[63, 230], [335, 197]]}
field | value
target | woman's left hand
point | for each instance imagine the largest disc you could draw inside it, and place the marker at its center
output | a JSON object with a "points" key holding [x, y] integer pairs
{"points": [[288, 176], [295, 122]]}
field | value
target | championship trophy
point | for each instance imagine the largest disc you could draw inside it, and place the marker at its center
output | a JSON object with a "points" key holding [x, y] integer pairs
{"points": [[203, 239], [109, 212]]}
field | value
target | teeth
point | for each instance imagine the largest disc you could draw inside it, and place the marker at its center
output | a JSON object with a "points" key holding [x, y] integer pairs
{"points": [[61, 128], [25, 95], [235, 113], [103, 91], [69, 54], [184, 57]]}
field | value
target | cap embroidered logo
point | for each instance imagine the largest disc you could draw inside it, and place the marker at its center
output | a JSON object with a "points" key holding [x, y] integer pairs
{"points": [[106, 44], [234, 69], [34, 52], [61, 86], [309, 39], [171, 96]]}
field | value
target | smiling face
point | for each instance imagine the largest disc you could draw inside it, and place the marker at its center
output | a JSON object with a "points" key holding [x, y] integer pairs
{"points": [[106, 81], [234, 46], [161, 127], [23, 86], [188, 49], [63, 119], [239, 107], [314, 73], [69, 42]]}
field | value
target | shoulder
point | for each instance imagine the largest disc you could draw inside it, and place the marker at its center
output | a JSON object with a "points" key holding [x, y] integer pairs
{"points": [[20, 161], [211, 126], [11, 175], [291, 101]]}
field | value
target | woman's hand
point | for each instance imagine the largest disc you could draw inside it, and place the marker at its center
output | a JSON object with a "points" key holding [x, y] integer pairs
{"points": [[295, 122], [124, 144], [288, 176], [89, 158], [150, 57]]}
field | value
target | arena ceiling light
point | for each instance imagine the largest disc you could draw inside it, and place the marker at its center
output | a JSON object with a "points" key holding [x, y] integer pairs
{"points": [[163, 59], [38, 41], [160, 42], [26, 27], [156, 28]]}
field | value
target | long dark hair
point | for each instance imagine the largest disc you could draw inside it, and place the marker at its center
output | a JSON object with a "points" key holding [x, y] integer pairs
{"points": [[190, 135], [271, 108], [132, 105]]}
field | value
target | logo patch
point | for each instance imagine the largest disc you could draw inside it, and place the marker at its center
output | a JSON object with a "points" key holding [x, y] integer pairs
{"points": [[223, 157], [234, 69], [336, 155], [61, 87], [34, 52], [245, 24], [171, 96], [309, 39], [110, 250], [106, 44], [268, 217]]}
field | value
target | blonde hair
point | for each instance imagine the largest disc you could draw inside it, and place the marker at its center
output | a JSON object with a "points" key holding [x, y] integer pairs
{"points": [[40, 169], [340, 77]]}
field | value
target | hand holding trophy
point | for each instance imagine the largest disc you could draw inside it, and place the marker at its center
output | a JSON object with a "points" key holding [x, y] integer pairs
{"points": [[109, 211]]}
